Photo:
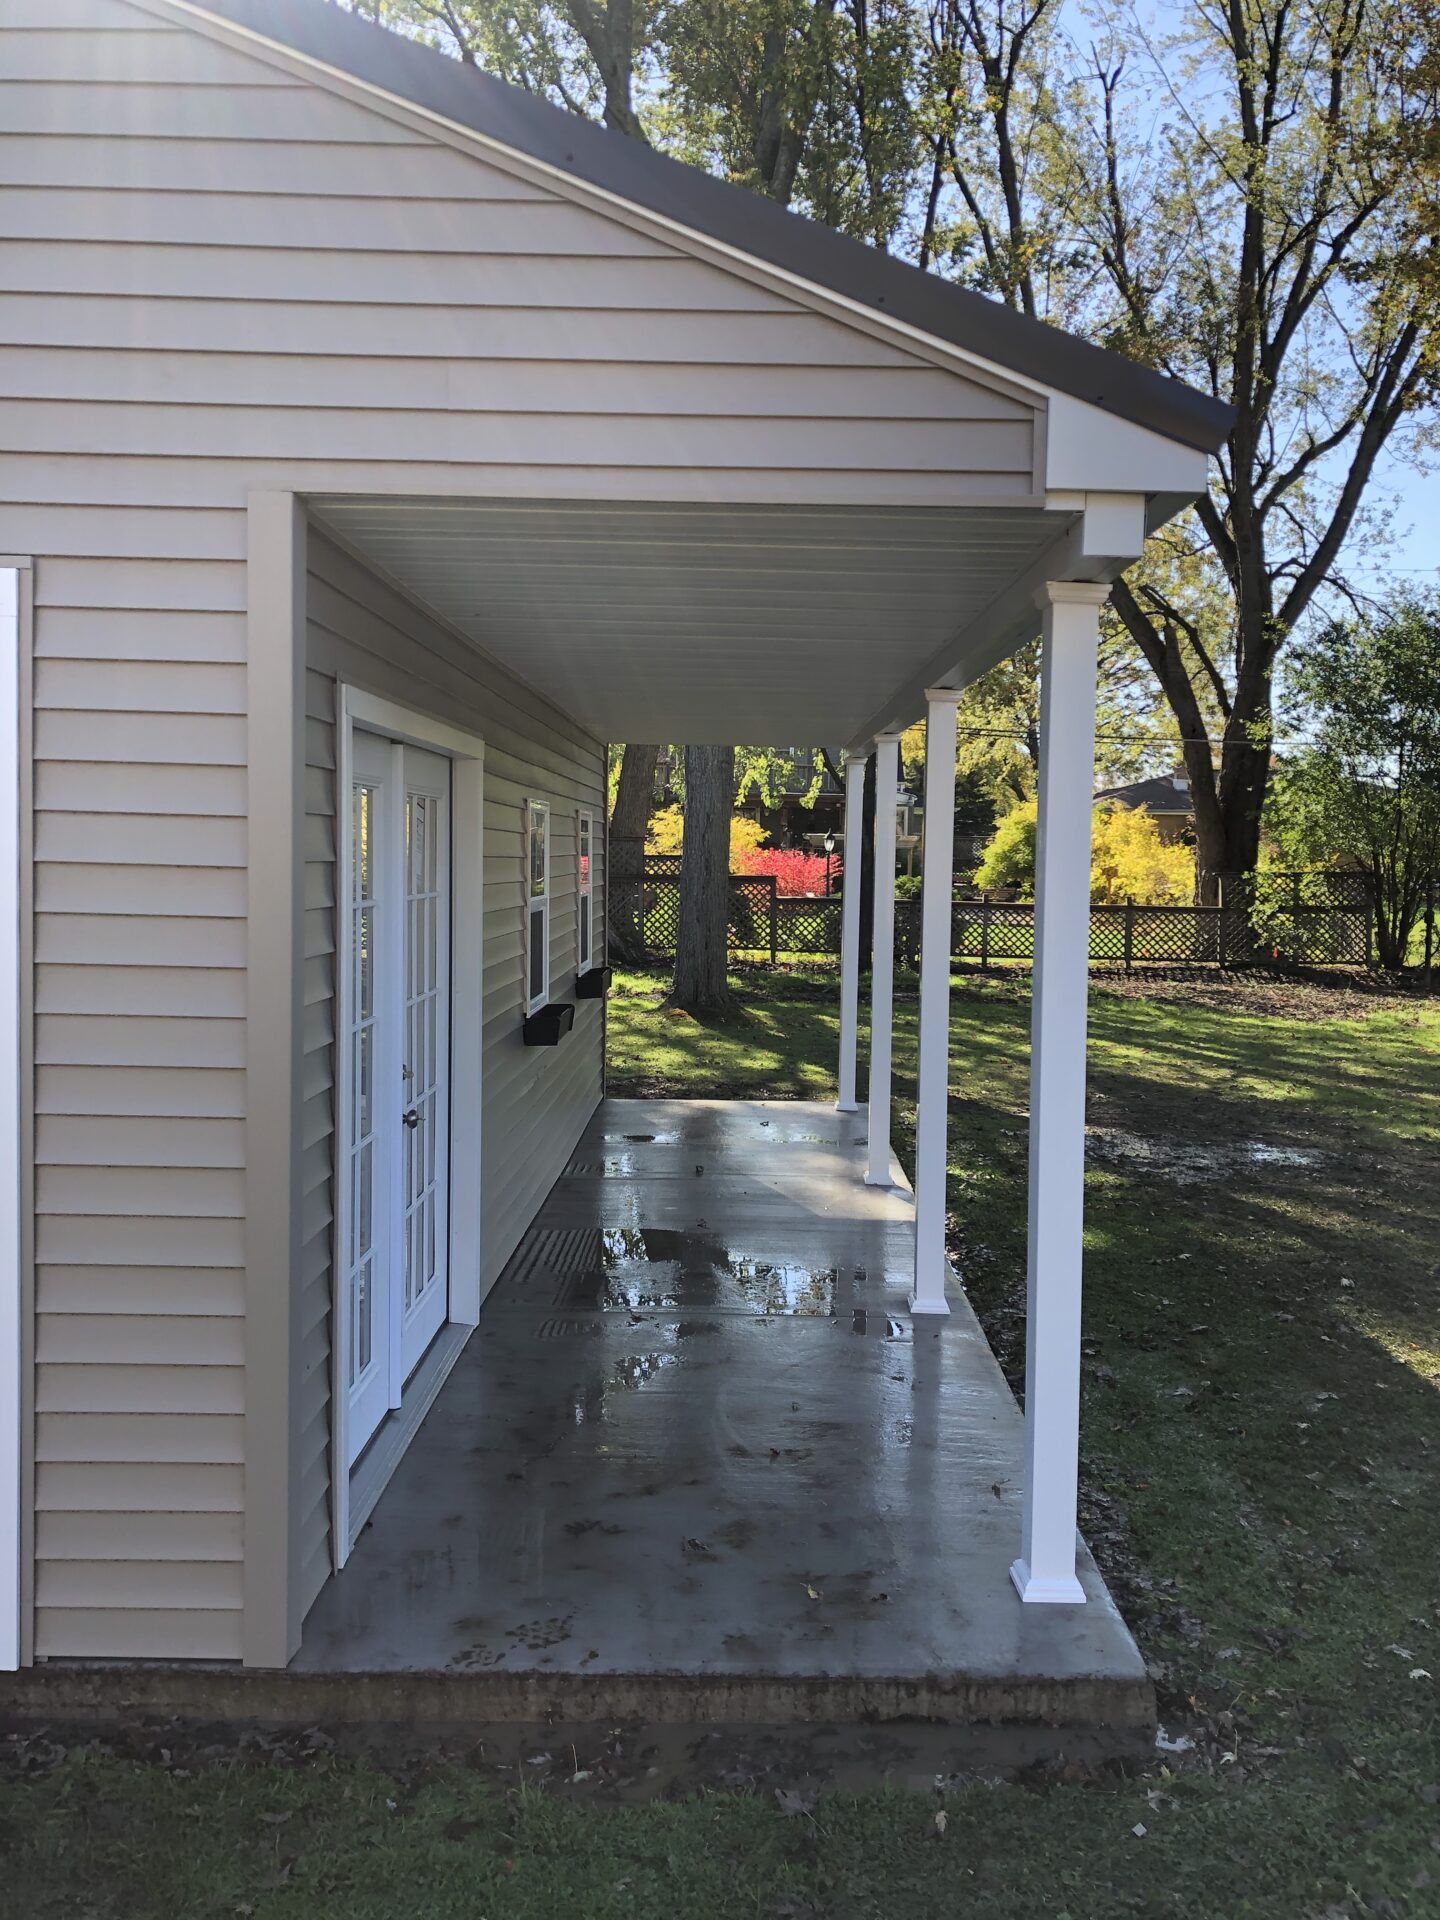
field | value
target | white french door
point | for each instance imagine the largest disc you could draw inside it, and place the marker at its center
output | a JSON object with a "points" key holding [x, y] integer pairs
{"points": [[396, 1032]]}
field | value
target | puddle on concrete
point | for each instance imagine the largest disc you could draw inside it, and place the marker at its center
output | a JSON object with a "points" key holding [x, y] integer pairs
{"points": [[750, 1286], [862, 1320], [1188, 1163], [590, 1403], [623, 1246], [658, 1269], [783, 1287]]}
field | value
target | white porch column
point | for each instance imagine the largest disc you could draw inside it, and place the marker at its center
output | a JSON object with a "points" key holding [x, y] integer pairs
{"points": [[882, 965], [850, 929], [932, 1110], [1046, 1567]]}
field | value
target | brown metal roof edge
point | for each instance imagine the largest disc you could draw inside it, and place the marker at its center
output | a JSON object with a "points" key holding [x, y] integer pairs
{"points": [[427, 78]]}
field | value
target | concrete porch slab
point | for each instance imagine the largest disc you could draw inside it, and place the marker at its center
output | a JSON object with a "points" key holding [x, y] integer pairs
{"points": [[699, 1463]]}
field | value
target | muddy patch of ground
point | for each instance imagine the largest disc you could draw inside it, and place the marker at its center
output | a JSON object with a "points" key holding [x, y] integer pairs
{"points": [[1189, 1163]]}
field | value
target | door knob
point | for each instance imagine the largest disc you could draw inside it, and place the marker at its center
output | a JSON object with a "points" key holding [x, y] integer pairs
{"points": [[412, 1118]]}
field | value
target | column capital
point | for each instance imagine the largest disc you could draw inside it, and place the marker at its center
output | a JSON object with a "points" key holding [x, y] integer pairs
{"points": [[855, 756], [889, 733], [944, 696], [1073, 593]]}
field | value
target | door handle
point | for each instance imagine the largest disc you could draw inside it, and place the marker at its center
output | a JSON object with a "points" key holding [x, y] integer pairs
{"points": [[412, 1118]]}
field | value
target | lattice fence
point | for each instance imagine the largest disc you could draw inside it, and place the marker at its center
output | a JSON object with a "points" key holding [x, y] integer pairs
{"points": [[807, 926], [1324, 922]]}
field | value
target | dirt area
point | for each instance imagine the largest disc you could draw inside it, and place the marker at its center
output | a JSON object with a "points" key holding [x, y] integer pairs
{"points": [[1333, 996]]}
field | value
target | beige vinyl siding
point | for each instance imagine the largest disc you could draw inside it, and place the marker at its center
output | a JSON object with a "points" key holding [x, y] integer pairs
{"points": [[139, 998], [365, 632], [217, 277]]}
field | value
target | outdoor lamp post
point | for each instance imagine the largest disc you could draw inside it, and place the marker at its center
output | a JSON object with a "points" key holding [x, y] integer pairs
{"points": [[829, 849]]}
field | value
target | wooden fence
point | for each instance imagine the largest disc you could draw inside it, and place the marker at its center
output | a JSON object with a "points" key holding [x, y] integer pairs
{"points": [[1256, 929]]}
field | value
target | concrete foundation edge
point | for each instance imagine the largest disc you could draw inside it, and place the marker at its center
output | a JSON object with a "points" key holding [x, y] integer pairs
{"points": [[110, 1693]]}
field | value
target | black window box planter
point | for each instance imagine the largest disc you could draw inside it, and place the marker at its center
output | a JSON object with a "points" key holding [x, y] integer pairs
{"points": [[548, 1026], [593, 984]]}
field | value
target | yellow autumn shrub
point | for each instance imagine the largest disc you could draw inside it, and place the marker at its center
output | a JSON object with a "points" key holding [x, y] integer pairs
{"points": [[667, 834], [1128, 859]]}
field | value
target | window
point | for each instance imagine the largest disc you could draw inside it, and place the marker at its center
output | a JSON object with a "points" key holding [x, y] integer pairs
{"points": [[537, 904], [585, 870]]}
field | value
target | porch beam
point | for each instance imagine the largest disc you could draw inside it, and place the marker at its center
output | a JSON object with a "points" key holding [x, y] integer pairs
{"points": [[850, 883], [882, 965], [1045, 1570], [932, 1108]]}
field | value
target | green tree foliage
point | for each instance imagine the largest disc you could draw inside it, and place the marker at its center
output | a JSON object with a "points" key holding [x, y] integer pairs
{"points": [[1009, 859], [1365, 789], [807, 101], [584, 55]]}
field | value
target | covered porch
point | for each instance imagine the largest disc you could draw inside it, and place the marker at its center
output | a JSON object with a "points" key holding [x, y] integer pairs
{"points": [[702, 1463]]}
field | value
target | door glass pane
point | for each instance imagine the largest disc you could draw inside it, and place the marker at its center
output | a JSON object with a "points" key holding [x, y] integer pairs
{"points": [[424, 931], [360, 1041], [364, 1318]]}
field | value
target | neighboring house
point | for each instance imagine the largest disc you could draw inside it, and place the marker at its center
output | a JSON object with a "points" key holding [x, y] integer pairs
{"points": [[380, 442], [806, 808], [1166, 798]]}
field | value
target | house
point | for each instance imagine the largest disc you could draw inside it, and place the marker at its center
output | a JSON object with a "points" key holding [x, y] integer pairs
{"points": [[810, 802], [1166, 798], [381, 442]]}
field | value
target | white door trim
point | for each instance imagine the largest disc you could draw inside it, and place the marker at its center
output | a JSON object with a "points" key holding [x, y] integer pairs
{"points": [[14, 608], [466, 752]]}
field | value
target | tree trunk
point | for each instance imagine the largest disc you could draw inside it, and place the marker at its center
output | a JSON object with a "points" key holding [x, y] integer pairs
{"points": [[609, 34], [701, 946], [1228, 806], [629, 825]]}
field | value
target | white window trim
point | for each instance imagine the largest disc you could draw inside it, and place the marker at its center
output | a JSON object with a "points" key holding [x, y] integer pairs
{"points": [[533, 1002], [15, 606], [584, 889], [353, 1494]]}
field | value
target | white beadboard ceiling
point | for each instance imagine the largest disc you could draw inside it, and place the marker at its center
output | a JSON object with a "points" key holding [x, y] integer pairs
{"points": [[706, 623]]}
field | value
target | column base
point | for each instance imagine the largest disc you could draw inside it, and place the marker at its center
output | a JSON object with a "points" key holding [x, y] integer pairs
{"points": [[875, 1180], [847, 1106], [917, 1305], [1063, 1592]]}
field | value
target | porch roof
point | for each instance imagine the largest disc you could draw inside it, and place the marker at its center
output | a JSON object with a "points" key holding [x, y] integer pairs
{"points": [[699, 623]]}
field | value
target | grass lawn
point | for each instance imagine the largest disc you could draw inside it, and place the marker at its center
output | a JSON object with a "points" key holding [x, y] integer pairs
{"points": [[1262, 1487]]}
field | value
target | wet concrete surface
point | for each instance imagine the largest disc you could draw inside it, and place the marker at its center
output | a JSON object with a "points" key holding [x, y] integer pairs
{"points": [[697, 1461]]}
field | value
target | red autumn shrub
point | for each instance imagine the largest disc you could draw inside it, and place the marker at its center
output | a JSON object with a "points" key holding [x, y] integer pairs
{"points": [[795, 871]]}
